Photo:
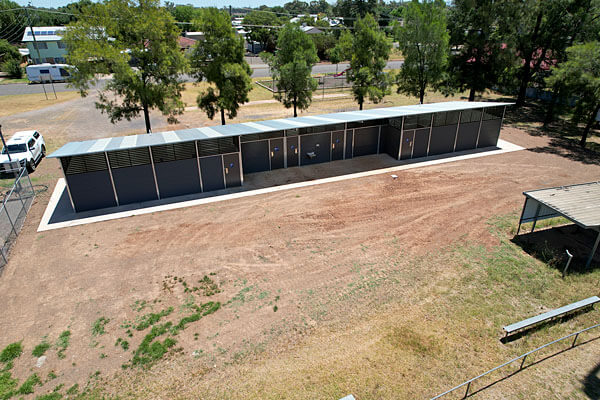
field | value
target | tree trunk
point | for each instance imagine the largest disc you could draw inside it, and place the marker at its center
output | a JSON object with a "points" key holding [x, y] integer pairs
{"points": [[588, 126], [360, 104], [472, 94], [147, 119], [295, 113], [549, 117], [421, 96], [526, 70], [222, 117]]}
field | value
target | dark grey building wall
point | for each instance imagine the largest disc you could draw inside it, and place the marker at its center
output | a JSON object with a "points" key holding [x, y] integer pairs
{"points": [[318, 143], [442, 139], [490, 131], [255, 156], [212, 173], [349, 141], [390, 140], [276, 153], [292, 151], [467, 136], [421, 142], [337, 145], [134, 184], [231, 165], [408, 139], [176, 178], [91, 191], [365, 141]]}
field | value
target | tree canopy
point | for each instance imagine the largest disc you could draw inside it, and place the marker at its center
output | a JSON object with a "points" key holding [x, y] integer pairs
{"points": [[580, 77], [261, 33], [136, 42], [423, 40], [219, 59], [291, 67]]}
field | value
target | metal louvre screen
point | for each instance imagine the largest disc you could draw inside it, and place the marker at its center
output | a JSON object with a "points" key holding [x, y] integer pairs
{"points": [[83, 164], [129, 158], [211, 147], [173, 152], [261, 136]]}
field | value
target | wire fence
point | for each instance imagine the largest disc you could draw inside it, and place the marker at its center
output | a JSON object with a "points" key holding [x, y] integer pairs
{"points": [[326, 82], [16, 203], [467, 385]]}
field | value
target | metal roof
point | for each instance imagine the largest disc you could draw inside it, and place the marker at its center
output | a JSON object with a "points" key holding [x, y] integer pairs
{"points": [[247, 128], [579, 203], [44, 33]]}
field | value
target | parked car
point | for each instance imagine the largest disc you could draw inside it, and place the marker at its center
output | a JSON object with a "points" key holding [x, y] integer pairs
{"points": [[48, 72], [27, 147]]}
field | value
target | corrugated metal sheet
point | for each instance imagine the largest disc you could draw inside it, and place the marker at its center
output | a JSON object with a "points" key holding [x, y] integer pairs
{"points": [[246, 128], [579, 203]]}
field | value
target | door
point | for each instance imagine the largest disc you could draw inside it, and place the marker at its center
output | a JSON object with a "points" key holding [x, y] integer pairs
{"points": [[407, 145], [276, 149], [292, 151], [231, 168], [349, 142], [211, 169], [421, 143], [255, 156], [337, 145]]}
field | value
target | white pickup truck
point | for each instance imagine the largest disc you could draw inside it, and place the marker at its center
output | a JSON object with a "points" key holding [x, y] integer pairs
{"points": [[26, 147]]}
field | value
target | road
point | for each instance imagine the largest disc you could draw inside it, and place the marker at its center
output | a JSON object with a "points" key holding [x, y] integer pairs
{"points": [[258, 71]]}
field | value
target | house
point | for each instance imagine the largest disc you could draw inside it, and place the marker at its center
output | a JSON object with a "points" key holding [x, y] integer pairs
{"points": [[311, 30], [48, 40], [185, 43]]}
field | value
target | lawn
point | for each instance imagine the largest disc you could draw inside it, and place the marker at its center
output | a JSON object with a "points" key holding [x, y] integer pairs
{"points": [[13, 104]]}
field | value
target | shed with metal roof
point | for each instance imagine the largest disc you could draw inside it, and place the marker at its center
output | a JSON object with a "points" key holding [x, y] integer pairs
{"points": [[579, 204], [115, 171]]}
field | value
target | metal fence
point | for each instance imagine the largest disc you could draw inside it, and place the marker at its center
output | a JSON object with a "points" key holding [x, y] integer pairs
{"points": [[326, 82], [16, 202], [522, 357]]}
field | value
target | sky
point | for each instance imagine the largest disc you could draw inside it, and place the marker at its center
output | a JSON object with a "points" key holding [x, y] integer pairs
{"points": [[197, 3]]}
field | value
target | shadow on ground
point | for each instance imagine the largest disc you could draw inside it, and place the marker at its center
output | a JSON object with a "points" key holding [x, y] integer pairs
{"points": [[550, 246], [563, 133], [591, 383]]}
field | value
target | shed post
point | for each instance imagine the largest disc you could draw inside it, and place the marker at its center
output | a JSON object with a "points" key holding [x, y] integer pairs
{"points": [[112, 181], [457, 128], [154, 173], [479, 129], [240, 159], [591, 257], [537, 213], [67, 184], [428, 140], [521, 217], [198, 162], [401, 137]]}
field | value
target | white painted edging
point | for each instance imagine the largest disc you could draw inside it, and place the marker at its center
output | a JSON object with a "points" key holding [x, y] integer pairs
{"points": [[504, 147]]}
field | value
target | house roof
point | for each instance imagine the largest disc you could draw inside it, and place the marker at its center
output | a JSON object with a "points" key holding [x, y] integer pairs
{"points": [[43, 33], [185, 42], [247, 128]]}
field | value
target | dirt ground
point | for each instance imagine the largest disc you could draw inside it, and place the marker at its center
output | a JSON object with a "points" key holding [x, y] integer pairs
{"points": [[322, 288]]}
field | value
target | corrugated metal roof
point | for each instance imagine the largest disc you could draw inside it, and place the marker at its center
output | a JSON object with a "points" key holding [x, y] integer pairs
{"points": [[579, 203], [247, 128], [44, 33]]}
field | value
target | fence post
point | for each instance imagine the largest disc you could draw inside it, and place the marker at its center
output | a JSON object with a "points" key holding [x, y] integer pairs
{"points": [[467, 392], [574, 340], [522, 363]]}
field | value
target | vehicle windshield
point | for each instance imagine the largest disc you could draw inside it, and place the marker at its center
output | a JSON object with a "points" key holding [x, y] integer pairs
{"points": [[15, 148]]}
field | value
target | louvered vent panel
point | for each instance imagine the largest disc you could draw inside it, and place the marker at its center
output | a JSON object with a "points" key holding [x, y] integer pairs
{"points": [[95, 162], [119, 159], [74, 165], [163, 153], [139, 156], [228, 145], [184, 151], [208, 147], [252, 137]]}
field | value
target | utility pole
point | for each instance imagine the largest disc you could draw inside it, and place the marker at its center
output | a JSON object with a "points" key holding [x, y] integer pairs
{"points": [[4, 145], [35, 45]]}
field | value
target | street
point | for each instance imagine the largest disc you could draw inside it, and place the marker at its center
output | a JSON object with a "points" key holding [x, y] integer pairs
{"points": [[258, 71]]}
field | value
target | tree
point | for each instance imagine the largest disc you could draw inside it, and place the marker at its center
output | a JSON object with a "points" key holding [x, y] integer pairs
{"points": [[8, 52], [368, 51], [292, 66], [219, 59], [296, 7], [423, 41], [320, 7], [580, 77], [350, 10], [12, 21], [257, 23], [183, 13], [112, 36], [480, 56]]}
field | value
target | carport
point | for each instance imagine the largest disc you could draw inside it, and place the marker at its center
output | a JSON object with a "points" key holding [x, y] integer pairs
{"points": [[579, 204]]}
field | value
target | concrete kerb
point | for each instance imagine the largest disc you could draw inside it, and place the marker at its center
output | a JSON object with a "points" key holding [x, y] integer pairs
{"points": [[502, 147]]}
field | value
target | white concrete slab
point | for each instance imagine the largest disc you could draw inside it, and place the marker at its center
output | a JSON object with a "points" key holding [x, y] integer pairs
{"points": [[503, 147]]}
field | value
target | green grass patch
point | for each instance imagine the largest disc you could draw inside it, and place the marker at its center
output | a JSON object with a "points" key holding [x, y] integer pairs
{"points": [[201, 311], [150, 350], [123, 343], [40, 349], [99, 325], [7, 385], [11, 352], [28, 386], [147, 320], [73, 390], [50, 396], [62, 343]]}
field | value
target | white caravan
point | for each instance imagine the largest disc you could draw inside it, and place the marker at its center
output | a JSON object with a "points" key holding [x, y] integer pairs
{"points": [[48, 72]]}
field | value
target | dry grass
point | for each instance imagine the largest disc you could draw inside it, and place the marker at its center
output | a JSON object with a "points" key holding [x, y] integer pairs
{"points": [[14, 104]]}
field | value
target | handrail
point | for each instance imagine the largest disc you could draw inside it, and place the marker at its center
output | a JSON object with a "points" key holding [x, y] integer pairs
{"points": [[523, 356]]}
